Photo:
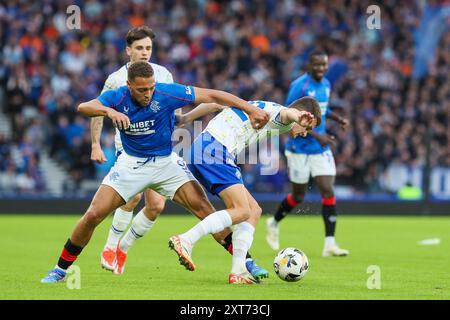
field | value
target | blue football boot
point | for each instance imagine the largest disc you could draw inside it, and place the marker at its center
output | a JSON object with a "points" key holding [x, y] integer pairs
{"points": [[55, 275], [256, 271]]}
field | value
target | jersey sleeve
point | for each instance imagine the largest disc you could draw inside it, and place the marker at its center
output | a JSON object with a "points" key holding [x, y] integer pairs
{"points": [[110, 84], [109, 98], [169, 77], [183, 95], [275, 121]]}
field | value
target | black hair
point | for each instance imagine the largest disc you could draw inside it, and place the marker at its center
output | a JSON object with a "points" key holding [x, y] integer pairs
{"points": [[140, 69], [315, 53]]}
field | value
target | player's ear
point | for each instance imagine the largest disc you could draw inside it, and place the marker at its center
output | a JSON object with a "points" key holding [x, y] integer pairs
{"points": [[128, 50]]}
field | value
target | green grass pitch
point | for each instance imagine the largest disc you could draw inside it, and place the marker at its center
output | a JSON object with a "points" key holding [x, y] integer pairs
{"points": [[31, 244]]}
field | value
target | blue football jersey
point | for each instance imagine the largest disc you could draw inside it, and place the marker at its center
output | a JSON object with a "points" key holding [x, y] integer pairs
{"points": [[307, 86], [151, 128]]}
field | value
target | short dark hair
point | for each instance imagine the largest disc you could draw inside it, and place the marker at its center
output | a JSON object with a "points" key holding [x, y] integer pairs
{"points": [[140, 69], [317, 53], [308, 104], [139, 33]]}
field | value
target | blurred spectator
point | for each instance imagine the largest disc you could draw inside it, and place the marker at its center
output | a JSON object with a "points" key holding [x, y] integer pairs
{"points": [[253, 49]]}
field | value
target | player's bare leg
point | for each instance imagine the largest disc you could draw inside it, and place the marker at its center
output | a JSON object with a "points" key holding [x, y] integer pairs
{"points": [[141, 224], [326, 187], [105, 200], [121, 219]]}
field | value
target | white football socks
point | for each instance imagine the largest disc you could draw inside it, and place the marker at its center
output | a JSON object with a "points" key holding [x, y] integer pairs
{"points": [[242, 241], [139, 227], [329, 242], [213, 223], [120, 223]]}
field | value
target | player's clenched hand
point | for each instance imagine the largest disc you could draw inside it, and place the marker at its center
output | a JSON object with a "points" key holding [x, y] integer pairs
{"points": [[119, 120], [258, 118], [97, 154]]}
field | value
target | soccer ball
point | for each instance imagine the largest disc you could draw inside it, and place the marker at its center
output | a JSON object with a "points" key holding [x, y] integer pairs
{"points": [[291, 264]]}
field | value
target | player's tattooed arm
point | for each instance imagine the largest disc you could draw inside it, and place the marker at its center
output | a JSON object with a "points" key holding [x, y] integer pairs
{"points": [[96, 126], [97, 154], [198, 112], [94, 108]]}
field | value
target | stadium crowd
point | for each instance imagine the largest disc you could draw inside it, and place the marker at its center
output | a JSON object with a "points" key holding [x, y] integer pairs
{"points": [[252, 48]]}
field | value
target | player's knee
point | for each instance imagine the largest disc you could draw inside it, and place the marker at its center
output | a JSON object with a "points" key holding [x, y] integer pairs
{"points": [[256, 211], [156, 208], [243, 212], [132, 203], [93, 217], [153, 210]]}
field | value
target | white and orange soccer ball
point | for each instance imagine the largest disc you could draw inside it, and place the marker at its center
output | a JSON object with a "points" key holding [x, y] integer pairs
{"points": [[291, 264]]}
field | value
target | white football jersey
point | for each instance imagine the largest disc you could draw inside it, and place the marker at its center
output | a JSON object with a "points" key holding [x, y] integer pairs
{"points": [[119, 78], [233, 129]]}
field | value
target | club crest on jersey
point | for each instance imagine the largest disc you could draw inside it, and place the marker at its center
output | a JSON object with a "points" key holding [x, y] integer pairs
{"points": [[154, 105]]}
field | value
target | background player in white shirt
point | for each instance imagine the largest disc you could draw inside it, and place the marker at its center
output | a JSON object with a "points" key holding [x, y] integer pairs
{"points": [[213, 162], [139, 48]]}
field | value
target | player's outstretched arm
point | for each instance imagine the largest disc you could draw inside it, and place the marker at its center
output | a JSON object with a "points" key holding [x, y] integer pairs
{"points": [[290, 115], [94, 108], [304, 120], [97, 154], [198, 112], [257, 116]]}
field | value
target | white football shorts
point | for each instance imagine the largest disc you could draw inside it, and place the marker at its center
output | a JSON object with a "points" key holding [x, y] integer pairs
{"points": [[301, 166], [131, 175]]}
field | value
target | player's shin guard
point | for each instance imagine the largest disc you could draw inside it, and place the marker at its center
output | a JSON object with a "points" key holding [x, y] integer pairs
{"points": [[329, 215], [285, 207], [68, 255]]}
